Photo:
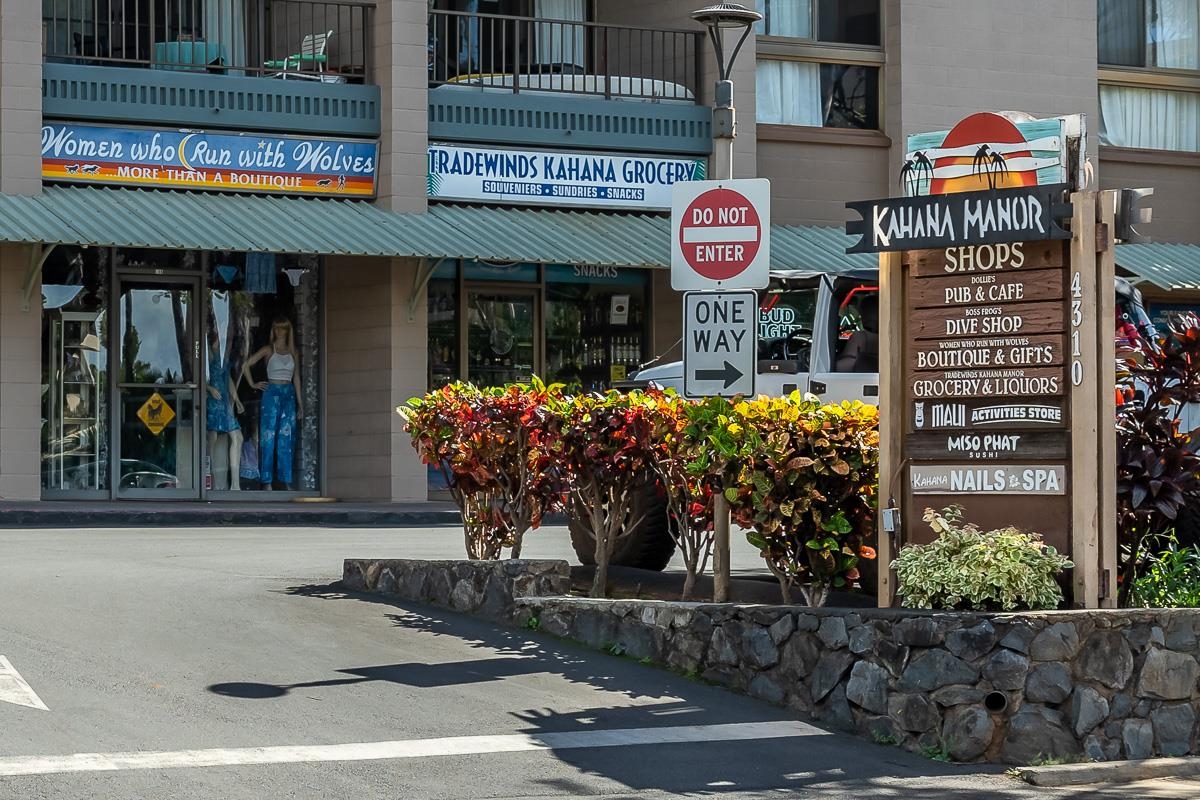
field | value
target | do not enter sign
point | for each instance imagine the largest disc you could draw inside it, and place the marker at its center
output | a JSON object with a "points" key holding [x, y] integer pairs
{"points": [[720, 235]]}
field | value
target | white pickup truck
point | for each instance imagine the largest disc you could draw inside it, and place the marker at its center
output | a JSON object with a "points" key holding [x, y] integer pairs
{"points": [[805, 320]]}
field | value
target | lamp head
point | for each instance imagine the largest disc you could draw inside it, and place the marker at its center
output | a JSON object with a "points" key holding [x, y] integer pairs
{"points": [[726, 15]]}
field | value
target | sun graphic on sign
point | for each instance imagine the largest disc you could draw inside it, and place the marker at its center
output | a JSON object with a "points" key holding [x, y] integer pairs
{"points": [[983, 151]]}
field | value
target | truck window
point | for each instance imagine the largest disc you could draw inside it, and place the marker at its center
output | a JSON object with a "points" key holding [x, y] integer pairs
{"points": [[785, 321], [858, 331]]}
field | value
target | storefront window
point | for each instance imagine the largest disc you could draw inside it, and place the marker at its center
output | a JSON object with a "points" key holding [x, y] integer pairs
{"points": [[75, 373], [443, 326], [261, 376], [594, 325]]}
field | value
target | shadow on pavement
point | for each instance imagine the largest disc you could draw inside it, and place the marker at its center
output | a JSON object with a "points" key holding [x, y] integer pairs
{"points": [[823, 764]]}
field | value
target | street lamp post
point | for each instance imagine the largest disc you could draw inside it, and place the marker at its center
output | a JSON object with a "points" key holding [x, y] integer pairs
{"points": [[718, 19]]}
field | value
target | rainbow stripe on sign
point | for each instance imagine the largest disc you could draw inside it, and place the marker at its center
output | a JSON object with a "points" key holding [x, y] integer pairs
{"points": [[223, 162]]}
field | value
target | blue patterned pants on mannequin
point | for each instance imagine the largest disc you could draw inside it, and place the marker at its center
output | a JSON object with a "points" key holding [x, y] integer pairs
{"points": [[277, 432]]}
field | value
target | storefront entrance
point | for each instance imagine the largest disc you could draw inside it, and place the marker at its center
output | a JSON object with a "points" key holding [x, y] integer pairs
{"points": [[501, 335], [158, 449]]}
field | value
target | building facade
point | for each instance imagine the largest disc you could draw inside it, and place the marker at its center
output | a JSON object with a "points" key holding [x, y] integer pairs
{"points": [[236, 234]]}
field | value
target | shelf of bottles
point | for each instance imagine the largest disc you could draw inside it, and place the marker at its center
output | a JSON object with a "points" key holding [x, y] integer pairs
{"points": [[585, 350]]}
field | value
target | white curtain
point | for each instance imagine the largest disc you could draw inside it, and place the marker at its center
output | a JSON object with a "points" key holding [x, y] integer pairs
{"points": [[561, 44], [785, 18], [1155, 119], [1173, 33], [788, 93], [225, 26]]}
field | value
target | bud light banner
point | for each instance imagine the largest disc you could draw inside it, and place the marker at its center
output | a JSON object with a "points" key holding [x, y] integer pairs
{"points": [[224, 162], [534, 177]]}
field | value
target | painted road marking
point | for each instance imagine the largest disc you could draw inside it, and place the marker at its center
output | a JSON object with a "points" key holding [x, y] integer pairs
{"points": [[14, 689], [406, 748]]}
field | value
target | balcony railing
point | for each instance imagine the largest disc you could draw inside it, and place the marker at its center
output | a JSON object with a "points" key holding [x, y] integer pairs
{"points": [[289, 39], [526, 54]]}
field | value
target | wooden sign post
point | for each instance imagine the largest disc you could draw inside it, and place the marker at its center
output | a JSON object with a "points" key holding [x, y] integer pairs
{"points": [[996, 393]]}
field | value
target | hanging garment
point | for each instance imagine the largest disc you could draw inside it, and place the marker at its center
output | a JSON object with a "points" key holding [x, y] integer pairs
{"points": [[219, 414], [260, 273], [277, 432], [249, 468]]}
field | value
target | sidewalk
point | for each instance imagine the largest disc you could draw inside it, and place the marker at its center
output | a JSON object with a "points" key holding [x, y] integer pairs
{"points": [[142, 513]]}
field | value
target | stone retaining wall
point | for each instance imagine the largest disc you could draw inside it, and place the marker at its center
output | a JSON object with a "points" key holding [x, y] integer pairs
{"points": [[1014, 688], [487, 589]]}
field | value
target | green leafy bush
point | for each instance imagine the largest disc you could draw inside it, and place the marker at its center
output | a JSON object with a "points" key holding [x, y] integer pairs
{"points": [[966, 568], [1170, 579]]}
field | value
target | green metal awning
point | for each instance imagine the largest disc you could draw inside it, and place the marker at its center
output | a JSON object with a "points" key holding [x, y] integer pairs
{"points": [[1167, 266], [119, 217]]}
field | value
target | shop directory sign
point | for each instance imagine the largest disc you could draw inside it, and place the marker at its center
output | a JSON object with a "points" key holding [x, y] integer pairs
{"points": [[224, 162], [996, 344]]}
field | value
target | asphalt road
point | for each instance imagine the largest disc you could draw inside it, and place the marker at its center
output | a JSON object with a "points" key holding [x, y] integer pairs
{"points": [[220, 664]]}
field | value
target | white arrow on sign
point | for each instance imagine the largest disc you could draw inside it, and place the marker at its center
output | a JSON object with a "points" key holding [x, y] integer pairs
{"points": [[14, 689]]}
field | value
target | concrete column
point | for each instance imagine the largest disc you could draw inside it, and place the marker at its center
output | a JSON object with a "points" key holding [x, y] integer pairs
{"points": [[20, 380], [400, 63], [409, 374], [376, 360], [20, 97]]}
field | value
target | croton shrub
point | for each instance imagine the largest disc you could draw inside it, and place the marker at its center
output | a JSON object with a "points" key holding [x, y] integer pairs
{"points": [[800, 476], [490, 446]]}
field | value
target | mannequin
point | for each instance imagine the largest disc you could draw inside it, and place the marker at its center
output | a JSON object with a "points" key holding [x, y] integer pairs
{"points": [[281, 405], [222, 400]]}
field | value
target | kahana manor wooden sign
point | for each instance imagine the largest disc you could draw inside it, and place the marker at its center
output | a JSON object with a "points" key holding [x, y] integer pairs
{"points": [[997, 314]]}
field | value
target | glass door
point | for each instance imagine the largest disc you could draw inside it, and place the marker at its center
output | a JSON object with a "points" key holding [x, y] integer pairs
{"points": [[501, 336], [157, 454]]}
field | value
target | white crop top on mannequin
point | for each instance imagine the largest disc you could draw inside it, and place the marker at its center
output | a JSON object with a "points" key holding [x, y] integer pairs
{"points": [[280, 367]]}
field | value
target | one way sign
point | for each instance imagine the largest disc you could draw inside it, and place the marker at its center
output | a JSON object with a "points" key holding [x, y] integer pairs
{"points": [[720, 345]]}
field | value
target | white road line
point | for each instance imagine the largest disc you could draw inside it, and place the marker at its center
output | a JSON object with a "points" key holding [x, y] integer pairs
{"points": [[408, 748], [14, 689]]}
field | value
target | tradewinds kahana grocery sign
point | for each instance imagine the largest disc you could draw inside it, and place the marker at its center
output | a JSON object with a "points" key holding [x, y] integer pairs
{"points": [[543, 177], [225, 162]]}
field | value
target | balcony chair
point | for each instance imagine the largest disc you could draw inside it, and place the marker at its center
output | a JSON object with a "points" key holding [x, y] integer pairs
{"points": [[312, 54]]}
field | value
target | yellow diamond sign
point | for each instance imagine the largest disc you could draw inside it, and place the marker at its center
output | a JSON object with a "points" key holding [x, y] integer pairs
{"points": [[156, 414]]}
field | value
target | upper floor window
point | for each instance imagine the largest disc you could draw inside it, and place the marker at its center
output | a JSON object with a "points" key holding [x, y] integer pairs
{"points": [[819, 63], [1149, 53], [1149, 33]]}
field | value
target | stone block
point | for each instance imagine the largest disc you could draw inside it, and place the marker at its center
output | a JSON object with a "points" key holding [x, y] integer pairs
{"points": [[782, 628], [913, 712], [1018, 637], [1105, 658], [1174, 726], [972, 643], [1006, 670], [828, 673], [934, 669], [868, 687], [968, 732], [919, 632], [759, 651], [723, 649], [765, 687], [1036, 733], [1167, 675], [1088, 709], [1059, 642], [1049, 682], [833, 632], [1137, 737], [799, 656], [958, 695], [862, 639]]}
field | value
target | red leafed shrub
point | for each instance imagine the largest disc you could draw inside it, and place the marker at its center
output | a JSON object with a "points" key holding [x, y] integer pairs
{"points": [[490, 447]]}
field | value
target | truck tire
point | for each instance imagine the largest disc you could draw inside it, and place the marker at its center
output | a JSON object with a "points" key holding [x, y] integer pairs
{"points": [[649, 546]]}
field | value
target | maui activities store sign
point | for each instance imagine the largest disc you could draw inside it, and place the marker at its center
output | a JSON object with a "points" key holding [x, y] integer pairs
{"points": [[226, 162], [597, 180]]}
